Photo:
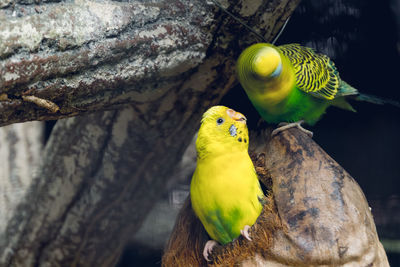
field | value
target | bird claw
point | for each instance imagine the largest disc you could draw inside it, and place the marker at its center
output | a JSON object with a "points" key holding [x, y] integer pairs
{"points": [[284, 126], [208, 248], [245, 232]]}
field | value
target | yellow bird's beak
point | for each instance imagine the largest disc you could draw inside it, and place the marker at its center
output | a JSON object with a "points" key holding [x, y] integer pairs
{"points": [[237, 116]]}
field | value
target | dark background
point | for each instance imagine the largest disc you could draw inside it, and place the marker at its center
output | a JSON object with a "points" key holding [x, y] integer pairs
{"points": [[362, 38]]}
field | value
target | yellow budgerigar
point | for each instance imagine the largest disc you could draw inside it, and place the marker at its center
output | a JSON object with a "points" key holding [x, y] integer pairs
{"points": [[225, 191]]}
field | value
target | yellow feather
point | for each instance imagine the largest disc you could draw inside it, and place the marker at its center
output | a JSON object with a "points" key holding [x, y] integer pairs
{"points": [[225, 190], [265, 91], [266, 61]]}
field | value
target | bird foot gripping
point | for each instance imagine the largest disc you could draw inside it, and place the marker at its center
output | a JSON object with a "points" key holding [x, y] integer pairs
{"points": [[208, 248], [212, 243], [284, 126], [245, 232]]}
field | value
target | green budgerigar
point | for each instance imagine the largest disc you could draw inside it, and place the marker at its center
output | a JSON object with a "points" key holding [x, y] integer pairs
{"points": [[225, 191], [292, 83]]}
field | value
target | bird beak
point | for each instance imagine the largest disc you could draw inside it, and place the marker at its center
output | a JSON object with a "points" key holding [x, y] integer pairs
{"points": [[237, 116]]}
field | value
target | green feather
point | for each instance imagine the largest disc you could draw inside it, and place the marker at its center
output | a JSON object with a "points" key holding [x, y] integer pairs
{"points": [[296, 83], [377, 100]]}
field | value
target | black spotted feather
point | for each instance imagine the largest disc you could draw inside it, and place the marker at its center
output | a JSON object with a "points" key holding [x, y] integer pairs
{"points": [[315, 73]]}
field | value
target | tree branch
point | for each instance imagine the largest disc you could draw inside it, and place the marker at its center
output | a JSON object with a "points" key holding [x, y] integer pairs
{"points": [[94, 56]]}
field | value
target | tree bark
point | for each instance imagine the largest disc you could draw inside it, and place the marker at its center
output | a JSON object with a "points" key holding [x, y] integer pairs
{"points": [[92, 190], [92, 55], [316, 215], [149, 69], [21, 148]]}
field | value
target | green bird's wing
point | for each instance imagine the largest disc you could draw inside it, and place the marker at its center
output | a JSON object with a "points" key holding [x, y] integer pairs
{"points": [[315, 73], [217, 227]]}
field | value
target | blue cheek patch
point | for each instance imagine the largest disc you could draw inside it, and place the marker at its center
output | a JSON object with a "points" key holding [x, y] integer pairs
{"points": [[277, 71], [233, 130]]}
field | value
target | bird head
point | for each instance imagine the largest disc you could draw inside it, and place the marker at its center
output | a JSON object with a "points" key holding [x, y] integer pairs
{"points": [[222, 130], [261, 60]]}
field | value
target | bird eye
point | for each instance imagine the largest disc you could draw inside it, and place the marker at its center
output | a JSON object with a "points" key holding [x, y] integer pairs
{"points": [[220, 121]]}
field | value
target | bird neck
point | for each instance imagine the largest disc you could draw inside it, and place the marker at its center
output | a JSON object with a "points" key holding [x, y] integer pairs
{"points": [[219, 160], [215, 150]]}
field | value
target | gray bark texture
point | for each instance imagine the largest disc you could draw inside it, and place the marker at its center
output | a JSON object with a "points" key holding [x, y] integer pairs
{"points": [[21, 146], [63, 59], [149, 69]]}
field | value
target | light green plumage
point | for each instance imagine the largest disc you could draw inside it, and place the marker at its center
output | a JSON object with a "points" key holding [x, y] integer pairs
{"points": [[225, 190], [297, 84]]}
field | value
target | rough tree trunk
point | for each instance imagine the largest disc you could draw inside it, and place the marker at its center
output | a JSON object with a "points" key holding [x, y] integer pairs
{"points": [[316, 215], [91, 193], [160, 63], [21, 148]]}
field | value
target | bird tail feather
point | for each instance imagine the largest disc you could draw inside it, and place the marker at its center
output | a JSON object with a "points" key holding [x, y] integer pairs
{"points": [[376, 100], [341, 102]]}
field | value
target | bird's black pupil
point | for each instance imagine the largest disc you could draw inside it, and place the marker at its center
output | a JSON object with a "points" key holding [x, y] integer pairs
{"points": [[220, 120]]}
